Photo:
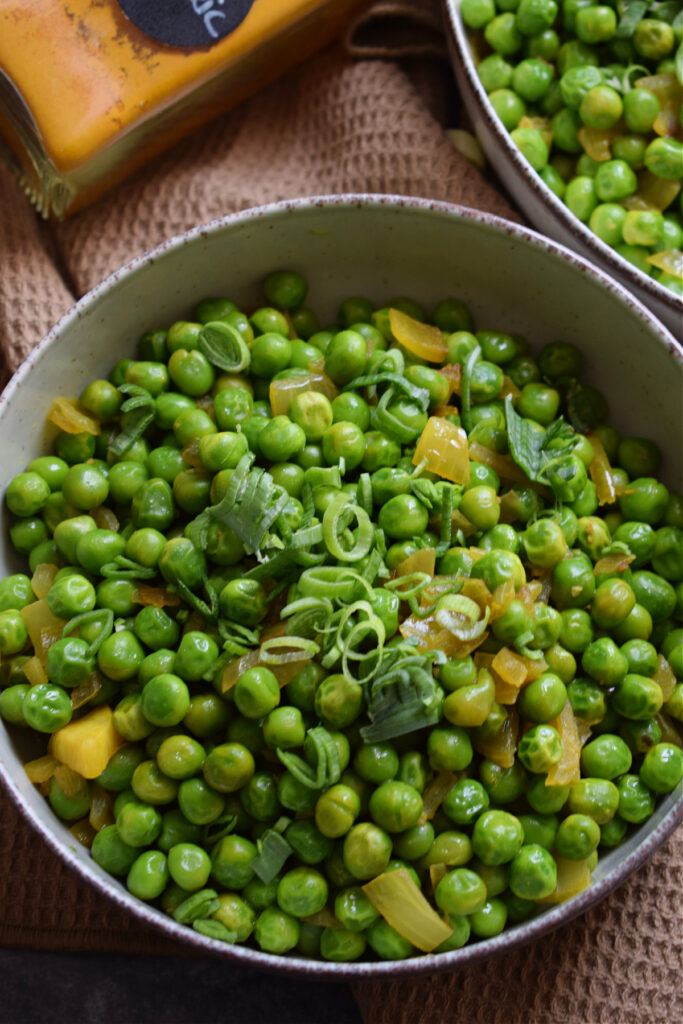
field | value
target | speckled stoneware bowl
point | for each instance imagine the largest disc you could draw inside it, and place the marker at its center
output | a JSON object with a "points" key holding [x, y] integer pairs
{"points": [[538, 203], [379, 246]]}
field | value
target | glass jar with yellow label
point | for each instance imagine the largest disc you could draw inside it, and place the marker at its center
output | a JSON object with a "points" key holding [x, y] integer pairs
{"points": [[92, 89]]}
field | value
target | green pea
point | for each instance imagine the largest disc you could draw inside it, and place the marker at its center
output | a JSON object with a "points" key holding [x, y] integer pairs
{"points": [[366, 851], [275, 931], [111, 852], [449, 749], [470, 705], [497, 837], [46, 707], [597, 798], [395, 806], [606, 757], [386, 942], [199, 803], [231, 861], [641, 108], [636, 801], [496, 567], [546, 799], [662, 768], [540, 748], [533, 873], [481, 506], [544, 543], [236, 915], [503, 785], [461, 891], [344, 440], [663, 158], [637, 697], [543, 698], [148, 875], [11, 704], [13, 632], [191, 372], [502, 34], [539, 829], [302, 892], [285, 289]]}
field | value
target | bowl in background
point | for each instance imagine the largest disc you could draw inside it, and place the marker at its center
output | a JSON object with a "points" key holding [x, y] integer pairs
{"points": [[379, 246], [537, 202]]}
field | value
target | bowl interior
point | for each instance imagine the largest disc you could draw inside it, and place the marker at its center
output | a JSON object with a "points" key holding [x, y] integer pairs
{"points": [[381, 248]]}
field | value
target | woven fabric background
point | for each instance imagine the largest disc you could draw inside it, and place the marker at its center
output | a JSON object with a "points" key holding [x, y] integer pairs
{"points": [[354, 121]]}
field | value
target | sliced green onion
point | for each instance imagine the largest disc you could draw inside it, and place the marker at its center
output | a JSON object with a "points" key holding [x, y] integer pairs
{"points": [[365, 493], [337, 518], [213, 929], [446, 522], [282, 650], [273, 852], [107, 617], [329, 581], [224, 346], [466, 400], [302, 771], [198, 905], [633, 12], [219, 828], [371, 659], [410, 585], [403, 695], [460, 616], [383, 419], [123, 568], [141, 408], [394, 378]]}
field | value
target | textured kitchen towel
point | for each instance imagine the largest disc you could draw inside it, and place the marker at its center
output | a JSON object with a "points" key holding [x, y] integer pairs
{"points": [[337, 124]]}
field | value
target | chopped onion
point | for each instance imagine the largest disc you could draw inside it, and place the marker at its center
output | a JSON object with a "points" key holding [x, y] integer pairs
{"points": [[596, 142], [283, 391], [105, 518], [601, 473], [423, 340], [101, 811], [444, 449], [501, 747], [34, 671], [511, 667], [423, 560], [66, 414], [41, 769], [664, 677], [43, 578], [670, 261], [70, 781], [435, 794], [573, 876], [567, 771], [43, 627], [402, 905]]}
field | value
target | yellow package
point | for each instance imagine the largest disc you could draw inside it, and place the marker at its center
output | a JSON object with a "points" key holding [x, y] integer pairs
{"points": [[92, 89]]}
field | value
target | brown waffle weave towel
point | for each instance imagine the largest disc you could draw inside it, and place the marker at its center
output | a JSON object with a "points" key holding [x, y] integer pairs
{"points": [[334, 125]]}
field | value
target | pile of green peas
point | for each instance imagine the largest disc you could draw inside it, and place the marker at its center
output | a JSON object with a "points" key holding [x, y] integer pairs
{"points": [[573, 64], [198, 783]]}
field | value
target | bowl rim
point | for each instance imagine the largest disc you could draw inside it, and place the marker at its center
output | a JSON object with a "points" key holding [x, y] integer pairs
{"points": [[508, 940], [457, 35]]}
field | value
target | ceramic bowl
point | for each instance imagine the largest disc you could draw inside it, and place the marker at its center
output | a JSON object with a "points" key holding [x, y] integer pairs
{"points": [[537, 202], [380, 247]]}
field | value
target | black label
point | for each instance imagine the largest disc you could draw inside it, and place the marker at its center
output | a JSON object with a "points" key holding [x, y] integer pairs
{"points": [[186, 22]]}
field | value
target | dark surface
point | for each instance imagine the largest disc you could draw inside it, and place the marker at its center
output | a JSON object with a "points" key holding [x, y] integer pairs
{"points": [[96, 988]]}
